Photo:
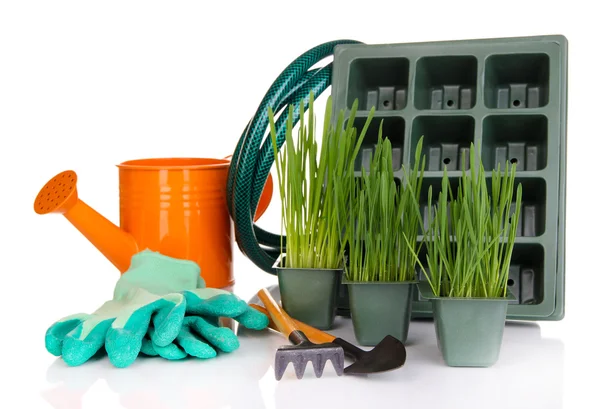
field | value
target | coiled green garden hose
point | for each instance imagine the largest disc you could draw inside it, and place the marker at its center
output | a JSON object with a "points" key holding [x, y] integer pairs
{"points": [[253, 156]]}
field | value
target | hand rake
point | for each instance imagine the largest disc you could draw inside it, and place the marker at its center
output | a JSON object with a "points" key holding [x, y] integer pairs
{"points": [[303, 350]]}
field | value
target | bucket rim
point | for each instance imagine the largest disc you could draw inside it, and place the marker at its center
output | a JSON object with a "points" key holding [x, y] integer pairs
{"points": [[174, 163]]}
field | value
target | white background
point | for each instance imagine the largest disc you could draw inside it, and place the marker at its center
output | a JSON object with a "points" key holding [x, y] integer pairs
{"points": [[85, 85]]}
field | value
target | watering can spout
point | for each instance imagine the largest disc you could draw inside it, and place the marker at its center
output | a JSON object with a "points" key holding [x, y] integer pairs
{"points": [[59, 195]]}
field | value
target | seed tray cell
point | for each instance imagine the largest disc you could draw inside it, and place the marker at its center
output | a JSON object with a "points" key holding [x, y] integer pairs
{"points": [[393, 128], [526, 273], [532, 221], [517, 80], [435, 184], [519, 139], [447, 82], [507, 96], [379, 82], [447, 138]]}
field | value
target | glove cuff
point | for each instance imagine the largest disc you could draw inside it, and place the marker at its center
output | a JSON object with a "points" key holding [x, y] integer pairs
{"points": [[158, 274]]}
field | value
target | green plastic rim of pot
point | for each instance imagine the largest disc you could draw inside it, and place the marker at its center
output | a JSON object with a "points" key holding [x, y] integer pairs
{"points": [[281, 257], [309, 295], [346, 282], [426, 293]]}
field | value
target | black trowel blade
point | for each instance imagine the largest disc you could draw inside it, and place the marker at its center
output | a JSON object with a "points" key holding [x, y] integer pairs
{"points": [[389, 354]]}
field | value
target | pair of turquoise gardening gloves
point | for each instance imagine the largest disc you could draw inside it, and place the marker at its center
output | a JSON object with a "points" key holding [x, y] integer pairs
{"points": [[160, 307]]}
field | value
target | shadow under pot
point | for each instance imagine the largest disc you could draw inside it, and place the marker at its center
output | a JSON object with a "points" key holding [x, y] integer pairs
{"points": [[379, 309], [469, 331], [343, 301], [309, 295]]}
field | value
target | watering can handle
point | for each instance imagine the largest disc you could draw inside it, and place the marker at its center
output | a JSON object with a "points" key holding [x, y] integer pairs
{"points": [[265, 197]]}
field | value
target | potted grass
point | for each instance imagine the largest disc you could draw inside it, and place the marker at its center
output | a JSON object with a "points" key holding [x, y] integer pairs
{"points": [[310, 268], [469, 247], [380, 274]]}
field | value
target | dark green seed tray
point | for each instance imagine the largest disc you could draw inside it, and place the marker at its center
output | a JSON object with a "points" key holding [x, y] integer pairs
{"points": [[508, 96]]}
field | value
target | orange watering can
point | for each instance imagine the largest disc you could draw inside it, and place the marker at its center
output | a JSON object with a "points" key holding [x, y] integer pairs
{"points": [[176, 206]]}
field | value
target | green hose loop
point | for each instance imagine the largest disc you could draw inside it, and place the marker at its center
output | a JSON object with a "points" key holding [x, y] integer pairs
{"points": [[253, 156]]}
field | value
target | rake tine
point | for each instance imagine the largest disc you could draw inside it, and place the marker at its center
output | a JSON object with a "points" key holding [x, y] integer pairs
{"points": [[319, 365], [281, 364], [300, 366], [302, 349], [339, 365]]}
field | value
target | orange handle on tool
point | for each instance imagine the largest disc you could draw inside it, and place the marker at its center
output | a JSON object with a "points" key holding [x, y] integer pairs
{"points": [[315, 335], [285, 324]]}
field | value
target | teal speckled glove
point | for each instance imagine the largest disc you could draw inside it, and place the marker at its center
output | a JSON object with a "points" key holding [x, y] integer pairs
{"points": [[201, 335], [159, 307], [149, 291]]}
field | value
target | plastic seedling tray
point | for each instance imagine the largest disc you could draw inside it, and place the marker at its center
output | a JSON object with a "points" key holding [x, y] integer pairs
{"points": [[509, 97]]}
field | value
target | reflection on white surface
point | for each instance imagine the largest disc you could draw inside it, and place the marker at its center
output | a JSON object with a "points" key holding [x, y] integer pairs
{"points": [[230, 380], [527, 375]]}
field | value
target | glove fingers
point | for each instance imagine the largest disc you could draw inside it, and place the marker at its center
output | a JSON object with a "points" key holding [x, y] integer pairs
{"points": [[168, 319], [57, 332], [123, 344], [210, 301], [124, 338], [170, 351], [148, 348], [222, 338], [253, 319], [84, 341], [194, 345], [219, 303]]}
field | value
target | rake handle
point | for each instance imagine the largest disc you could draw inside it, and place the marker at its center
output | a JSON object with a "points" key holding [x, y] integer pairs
{"points": [[284, 322], [315, 335]]}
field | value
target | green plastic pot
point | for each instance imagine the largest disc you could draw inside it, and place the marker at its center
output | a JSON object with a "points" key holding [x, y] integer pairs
{"points": [[379, 309], [469, 331], [309, 295]]}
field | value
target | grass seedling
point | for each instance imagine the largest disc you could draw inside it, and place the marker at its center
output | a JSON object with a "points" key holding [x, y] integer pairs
{"points": [[313, 181], [472, 233], [385, 217]]}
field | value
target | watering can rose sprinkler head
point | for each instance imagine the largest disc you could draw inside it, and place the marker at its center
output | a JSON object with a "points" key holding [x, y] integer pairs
{"points": [[59, 195], [174, 206]]}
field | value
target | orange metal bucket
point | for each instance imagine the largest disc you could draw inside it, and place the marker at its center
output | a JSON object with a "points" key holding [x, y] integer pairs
{"points": [[178, 207]]}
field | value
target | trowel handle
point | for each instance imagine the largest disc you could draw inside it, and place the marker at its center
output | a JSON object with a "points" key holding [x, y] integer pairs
{"points": [[315, 335], [284, 322]]}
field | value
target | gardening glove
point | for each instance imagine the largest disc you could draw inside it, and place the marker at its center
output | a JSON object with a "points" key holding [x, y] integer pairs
{"points": [[201, 335], [149, 291]]}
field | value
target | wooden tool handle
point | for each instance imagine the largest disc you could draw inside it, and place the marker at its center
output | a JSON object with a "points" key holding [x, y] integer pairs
{"points": [[315, 335], [284, 323]]}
